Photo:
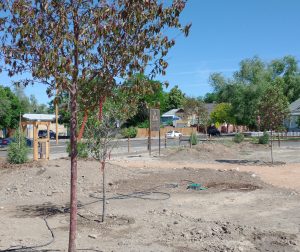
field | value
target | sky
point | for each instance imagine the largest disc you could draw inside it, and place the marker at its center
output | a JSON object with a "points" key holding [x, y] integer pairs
{"points": [[222, 34]]}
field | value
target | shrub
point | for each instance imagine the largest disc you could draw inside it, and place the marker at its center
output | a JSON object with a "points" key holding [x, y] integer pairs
{"points": [[143, 125], [193, 139], [264, 139], [82, 149], [17, 150], [238, 138], [130, 132]]}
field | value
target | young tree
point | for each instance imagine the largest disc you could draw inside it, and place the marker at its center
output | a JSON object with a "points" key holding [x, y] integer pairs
{"points": [[65, 42], [195, 107], [101, 141], [273, 109], [222, 113]]}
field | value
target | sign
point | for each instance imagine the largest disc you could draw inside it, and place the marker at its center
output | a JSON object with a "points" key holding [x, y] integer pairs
{"points": [[154, 119]]}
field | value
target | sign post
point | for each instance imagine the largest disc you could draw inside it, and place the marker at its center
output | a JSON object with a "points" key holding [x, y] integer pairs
{"points": [[154, 125]]}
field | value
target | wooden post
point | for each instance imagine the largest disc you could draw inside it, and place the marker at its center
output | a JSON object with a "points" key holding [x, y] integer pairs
{"points": [[149, 141], [128, 144], [159, 142], [35, 142], [48, 142], [56, 116]]}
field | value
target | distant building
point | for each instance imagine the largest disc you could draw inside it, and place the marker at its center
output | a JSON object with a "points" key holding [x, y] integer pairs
{"points": [[179, 119], [170, 117], [292, 122]]}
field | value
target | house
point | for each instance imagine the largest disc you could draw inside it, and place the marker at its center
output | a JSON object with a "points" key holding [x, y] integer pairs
{"points": [[179, 119], [172, 116], [293, 122]]}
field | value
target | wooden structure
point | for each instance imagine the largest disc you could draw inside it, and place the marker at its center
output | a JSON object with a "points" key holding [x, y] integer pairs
{"points": [[41, 146]]}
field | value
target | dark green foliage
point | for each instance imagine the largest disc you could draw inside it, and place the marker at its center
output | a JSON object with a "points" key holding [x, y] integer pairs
{"points": [[193, 139], [10, 108], [130, 132], [17, 150], [175, 99], [238, 138], [246, 88], [82, 149], [264, 139], [143, 125]]}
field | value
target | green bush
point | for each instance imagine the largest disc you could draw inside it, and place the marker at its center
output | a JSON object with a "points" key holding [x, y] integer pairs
{"points": [[130, 132], [17, 150], [238, 138], [264, 139], [82, 149], [193, 139], [143, 125]]}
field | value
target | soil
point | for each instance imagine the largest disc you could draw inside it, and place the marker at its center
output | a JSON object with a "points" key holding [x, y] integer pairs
{"points": [[213, 197]]}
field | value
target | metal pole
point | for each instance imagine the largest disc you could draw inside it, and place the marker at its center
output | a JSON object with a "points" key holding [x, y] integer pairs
{"points": [[165, 140]]}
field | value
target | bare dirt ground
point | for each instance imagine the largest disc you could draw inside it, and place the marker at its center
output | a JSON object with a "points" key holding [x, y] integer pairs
{"points": [[246, 204]]}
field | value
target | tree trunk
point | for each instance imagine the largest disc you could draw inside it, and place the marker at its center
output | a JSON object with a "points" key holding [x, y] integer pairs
{"points": [[85, 117], [73, 201], [103, 191]]}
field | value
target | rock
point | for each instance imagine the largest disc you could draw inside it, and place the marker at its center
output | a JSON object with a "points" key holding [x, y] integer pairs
{"points": [[107, 202], [175, 222], [1, 208], [253, 175], [92, 236]]}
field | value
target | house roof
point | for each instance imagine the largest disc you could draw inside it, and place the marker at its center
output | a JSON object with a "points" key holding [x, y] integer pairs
{"points": [[295, 106], [39, 117], [172, 112]]}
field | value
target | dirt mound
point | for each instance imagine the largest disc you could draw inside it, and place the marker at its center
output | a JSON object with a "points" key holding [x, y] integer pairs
{"points": [[226, 236], [204, 151]]}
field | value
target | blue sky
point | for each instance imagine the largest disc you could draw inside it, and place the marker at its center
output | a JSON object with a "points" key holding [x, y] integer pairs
{"points": [[222, 34]]}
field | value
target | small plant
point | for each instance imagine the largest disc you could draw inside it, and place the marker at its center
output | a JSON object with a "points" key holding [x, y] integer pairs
{"points": [[193, 139], [82, 149], [238, 138], [17, 150], [264, 139], [130, 132]]}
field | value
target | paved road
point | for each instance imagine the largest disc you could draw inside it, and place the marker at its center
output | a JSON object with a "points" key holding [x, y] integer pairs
{"points": [[134, 145], [57, 150]]}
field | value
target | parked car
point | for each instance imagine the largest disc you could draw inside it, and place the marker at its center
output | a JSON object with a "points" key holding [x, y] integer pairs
{"points": [[43, 134], [213, 131], [5, 141], [173, 134]]}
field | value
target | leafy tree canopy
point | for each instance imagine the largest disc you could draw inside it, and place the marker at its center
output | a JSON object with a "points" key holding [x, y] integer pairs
{"points": [[10, 108], [245, 88]]}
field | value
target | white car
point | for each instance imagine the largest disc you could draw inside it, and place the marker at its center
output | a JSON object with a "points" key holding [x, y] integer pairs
{"points": [[173, 134]]}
